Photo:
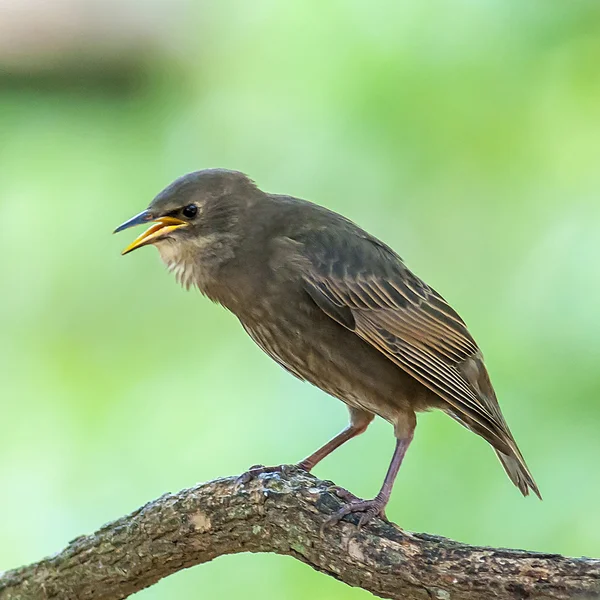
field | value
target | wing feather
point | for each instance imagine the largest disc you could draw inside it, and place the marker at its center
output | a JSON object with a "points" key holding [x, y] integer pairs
{"points": [[408, 322], [364, 285]]}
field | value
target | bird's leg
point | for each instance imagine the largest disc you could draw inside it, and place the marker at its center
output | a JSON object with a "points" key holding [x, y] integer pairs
{"points": [[376, 507], [309, 463], [359, 421]]}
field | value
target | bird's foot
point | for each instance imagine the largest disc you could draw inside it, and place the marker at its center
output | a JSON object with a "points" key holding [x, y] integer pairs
{"points": [[257, 470], [344, 494], [368, 509]]}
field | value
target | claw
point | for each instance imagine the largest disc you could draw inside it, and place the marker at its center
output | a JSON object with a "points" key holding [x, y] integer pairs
{"points": [[369, 509], [257, 470], [243, 479], [344, 494]]}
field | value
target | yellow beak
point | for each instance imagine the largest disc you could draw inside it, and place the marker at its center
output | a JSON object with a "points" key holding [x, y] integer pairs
{"points": [[162, 227]]}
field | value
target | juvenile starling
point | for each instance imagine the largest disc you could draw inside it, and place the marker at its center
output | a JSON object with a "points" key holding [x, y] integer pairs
{"points": [[332, 305]]}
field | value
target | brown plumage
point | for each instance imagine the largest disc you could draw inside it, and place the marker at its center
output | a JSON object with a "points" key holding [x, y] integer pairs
{"points": [[335, 307]]}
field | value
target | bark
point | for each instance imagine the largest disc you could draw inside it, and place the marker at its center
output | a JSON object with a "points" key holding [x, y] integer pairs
{"points": [[283, 513]]}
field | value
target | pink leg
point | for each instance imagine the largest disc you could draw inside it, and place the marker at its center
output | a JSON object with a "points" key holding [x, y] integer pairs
{"points": [[344, 436], [359, 421], [376, 507]]}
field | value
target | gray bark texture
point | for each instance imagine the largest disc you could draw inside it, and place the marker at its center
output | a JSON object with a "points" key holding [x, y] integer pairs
{"points": [[283, 513]]}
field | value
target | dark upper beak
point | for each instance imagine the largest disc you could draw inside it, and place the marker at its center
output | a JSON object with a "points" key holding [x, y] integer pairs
{"points": [[162, 226], [140, 219]]}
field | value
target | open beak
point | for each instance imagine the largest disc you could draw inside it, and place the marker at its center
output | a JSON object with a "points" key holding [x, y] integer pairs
{"points": [[162, 226]]}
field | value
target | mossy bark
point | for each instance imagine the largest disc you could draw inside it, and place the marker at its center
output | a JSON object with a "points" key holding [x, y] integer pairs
{"points": [[283, 513]]}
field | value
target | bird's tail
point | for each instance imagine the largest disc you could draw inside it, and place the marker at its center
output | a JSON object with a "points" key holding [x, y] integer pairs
{"points": [[516, 469], [507, 450]]}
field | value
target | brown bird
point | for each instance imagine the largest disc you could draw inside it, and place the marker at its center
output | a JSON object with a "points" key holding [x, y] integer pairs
{"points": [[334, 306]]}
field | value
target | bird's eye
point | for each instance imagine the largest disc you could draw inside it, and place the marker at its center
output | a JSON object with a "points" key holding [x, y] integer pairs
{"points": [[190, 211]]}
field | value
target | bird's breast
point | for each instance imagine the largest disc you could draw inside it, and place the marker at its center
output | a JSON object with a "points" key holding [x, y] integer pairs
{"points": [[293, 347], [295, 333], [286, 326]]}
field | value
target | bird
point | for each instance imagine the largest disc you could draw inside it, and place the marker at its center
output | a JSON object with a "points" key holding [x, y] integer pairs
{"points": [[334, 306]]}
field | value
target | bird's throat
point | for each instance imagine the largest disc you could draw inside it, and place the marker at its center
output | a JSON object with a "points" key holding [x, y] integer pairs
{"points": [[197, 262]]}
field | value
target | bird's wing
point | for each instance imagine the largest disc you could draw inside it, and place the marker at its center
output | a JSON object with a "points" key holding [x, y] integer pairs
{"points": [[365, 286]]}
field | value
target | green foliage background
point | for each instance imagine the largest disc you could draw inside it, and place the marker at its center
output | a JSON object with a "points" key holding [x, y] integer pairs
{"points": [[466, 135]]}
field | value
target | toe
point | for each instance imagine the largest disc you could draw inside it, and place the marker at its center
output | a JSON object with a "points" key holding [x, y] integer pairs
{"points": [[243, 479], [343, 494], [367, 516], [251, 474], [369, 510], [303, 466]]}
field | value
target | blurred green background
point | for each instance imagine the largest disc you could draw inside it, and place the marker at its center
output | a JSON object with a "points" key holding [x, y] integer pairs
{"points": [[465, 134]]}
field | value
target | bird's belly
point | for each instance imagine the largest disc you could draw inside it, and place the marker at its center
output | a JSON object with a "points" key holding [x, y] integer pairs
{"points": [[336, 360]]}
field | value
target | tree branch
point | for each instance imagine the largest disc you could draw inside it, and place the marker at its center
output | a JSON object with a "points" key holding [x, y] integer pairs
{"points": [[283, 513]]}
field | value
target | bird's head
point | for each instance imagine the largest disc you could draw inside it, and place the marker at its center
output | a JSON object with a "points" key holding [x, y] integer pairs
{"points": [[196, 223], [193, 208]]}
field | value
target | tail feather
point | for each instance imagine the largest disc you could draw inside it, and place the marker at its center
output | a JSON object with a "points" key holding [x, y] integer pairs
{"points": [[517, 470], [507, 450]]}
